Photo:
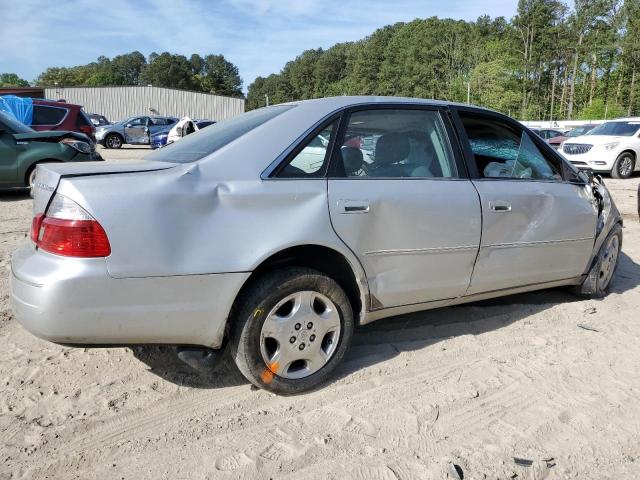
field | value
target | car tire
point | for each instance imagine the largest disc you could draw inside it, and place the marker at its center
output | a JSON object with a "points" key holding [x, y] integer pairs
{"points": [[113, 141], [624, 166], [291, 330], [30, 178], [604, 266]]}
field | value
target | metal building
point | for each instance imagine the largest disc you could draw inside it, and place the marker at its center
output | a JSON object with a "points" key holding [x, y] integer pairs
{"points": [[117, 103]]}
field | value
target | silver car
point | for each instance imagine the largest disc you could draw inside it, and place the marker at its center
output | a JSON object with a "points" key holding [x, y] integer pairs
{"points": [[133, 131], [232, 237]]}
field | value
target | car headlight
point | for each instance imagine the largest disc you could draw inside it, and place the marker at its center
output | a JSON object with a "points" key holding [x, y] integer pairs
{"points": [[79, 145], [610, 146]]}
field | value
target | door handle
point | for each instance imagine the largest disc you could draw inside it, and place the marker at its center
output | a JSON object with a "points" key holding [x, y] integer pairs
{"points": [[354, 206], [500, 207]]}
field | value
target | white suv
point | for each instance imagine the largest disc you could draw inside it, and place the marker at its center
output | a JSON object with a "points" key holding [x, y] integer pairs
{"points": [[613, 147]]}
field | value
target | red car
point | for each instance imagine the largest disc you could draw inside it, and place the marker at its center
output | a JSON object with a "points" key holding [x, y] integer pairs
{"points": [[52, 115], [555, 142]]}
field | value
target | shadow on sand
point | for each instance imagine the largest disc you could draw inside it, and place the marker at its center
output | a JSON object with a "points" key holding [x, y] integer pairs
{"points": [[384, 339]]}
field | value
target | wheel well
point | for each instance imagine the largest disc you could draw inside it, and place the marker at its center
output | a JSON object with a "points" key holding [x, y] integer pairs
{"points": [[324, 259], [34, 165], [110, 134], [631, 152]]}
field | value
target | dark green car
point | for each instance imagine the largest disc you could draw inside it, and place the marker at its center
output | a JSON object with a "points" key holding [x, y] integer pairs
{"points": [[22, 148]]}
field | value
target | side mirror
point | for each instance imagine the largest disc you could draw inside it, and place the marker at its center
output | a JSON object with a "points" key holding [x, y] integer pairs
{"points": [[128, 125], [586, 175]]}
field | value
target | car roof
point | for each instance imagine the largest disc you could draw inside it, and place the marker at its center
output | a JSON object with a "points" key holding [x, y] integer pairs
{"points": [[625, 119], [55, 103], [354, 100]]}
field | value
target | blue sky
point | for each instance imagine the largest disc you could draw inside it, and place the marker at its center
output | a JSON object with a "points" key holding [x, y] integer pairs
{"points": [[259, 36]]}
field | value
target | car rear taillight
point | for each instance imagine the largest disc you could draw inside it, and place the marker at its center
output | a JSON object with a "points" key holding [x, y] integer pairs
{"points": [[67, 229], [88, 129]]}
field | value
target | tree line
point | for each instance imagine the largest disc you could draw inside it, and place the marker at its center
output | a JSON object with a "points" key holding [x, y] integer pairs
{"points": [[550, 61], [209, 74]]}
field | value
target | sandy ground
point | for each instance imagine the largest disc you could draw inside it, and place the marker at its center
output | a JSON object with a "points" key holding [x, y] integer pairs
{"points": [[544, 377]]}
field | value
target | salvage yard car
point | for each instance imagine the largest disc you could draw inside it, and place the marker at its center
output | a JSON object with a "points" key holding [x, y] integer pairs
{"points": [[228, 238], [613, 147], [22, 149], [132, 131]]}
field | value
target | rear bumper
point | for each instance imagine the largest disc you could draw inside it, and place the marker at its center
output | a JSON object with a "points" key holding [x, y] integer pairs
{"points": [[75, 301]]}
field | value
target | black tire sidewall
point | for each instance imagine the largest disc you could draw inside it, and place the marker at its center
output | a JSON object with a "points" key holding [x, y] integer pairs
{"points": [[264, 294]]}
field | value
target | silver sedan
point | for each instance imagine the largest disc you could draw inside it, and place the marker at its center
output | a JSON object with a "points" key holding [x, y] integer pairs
{"points": [[276, 232]]}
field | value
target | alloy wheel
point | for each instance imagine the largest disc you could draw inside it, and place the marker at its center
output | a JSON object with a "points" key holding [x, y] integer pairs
{"points": [[114, 141], [608, 262], [625, 166], [300, 334]]}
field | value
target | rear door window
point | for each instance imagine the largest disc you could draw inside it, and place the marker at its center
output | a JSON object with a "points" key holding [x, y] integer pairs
{"points": [[396, 143], [46, 115]]}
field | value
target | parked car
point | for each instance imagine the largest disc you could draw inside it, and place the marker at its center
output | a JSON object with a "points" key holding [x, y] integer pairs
{"points": [[181, 129], [22, 149], [225, 238], [613, 147], [60, 116], [555, 142], [160, 138], [547, 133], [98, 120], [132, 131]]}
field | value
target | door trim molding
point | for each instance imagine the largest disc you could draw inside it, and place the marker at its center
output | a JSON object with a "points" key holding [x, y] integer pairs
{"points": [[538, 243], [419, 251]]}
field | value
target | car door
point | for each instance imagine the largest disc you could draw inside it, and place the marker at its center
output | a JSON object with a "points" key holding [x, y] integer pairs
{"points": [[135, 131], [405, 208], [536, 227], [8, 158]]}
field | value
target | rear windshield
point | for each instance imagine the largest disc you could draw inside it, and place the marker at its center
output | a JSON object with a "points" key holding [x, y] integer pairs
{"points": [[206, 141], [616, 128], [11, 125]]}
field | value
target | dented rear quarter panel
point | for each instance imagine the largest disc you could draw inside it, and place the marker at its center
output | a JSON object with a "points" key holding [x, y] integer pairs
{"points": [[215, 215]]}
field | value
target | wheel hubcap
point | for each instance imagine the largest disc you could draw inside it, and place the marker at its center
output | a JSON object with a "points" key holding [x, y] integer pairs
{"points": [[608, 262], [114, 142], [300, 334], [625, 166]]}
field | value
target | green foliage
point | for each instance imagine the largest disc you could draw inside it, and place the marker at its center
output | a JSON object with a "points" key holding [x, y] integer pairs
{"points": [[554, 59], [12, 80], [211, 74], [599, 110]]}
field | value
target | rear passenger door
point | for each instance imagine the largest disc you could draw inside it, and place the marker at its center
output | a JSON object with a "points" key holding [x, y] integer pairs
{"points": [[400, 199], [536, 227]]}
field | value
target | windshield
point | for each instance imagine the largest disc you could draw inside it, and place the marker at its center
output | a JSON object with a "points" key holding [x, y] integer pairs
{"points": [[625, 129], [206, 141], [11, 125], [576, 132]]}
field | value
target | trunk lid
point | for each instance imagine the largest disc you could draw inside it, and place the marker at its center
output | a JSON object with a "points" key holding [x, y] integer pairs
{"points": [[48, 175]]}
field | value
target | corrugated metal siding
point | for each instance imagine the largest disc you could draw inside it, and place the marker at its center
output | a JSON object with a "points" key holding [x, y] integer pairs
{"points": [[117, 103]]}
